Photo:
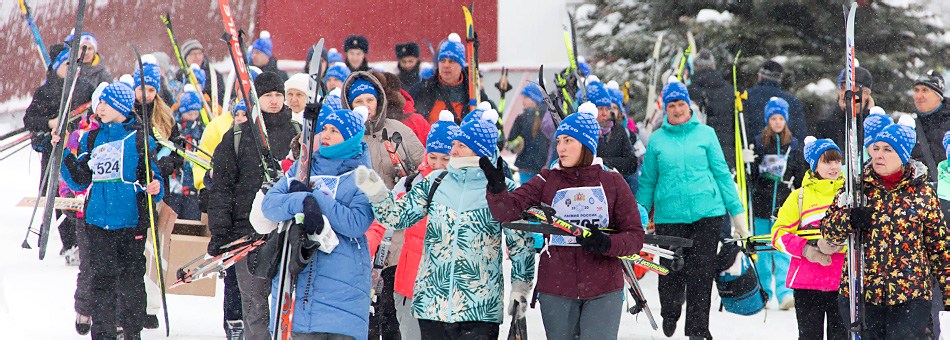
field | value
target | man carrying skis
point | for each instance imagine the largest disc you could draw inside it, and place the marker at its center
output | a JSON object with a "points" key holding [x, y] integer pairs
{"points": [[448, 89], [237, 177], [830, 122]]}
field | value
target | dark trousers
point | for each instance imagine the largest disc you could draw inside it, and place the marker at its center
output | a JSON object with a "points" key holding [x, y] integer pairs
{"points": [[185, 205], [437, 330], [232, 296], [696, 277], [813, 307], [83, 295], [383, 323], [909, 320], [117, 266]]}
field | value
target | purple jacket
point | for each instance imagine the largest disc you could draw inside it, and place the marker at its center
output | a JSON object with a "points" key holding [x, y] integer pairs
{"points": [[573, 272]]}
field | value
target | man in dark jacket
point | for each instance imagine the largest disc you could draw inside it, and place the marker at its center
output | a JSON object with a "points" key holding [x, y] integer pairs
{"points": [[716, 99], [408, 68], [831, 123], [41, 119], [933, 120], [448, 89], [237, 178], [768, 86], [194, 53], [261, 56]]}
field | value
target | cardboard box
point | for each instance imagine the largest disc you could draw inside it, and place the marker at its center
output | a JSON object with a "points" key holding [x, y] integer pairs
{"points": [[182, 241]]}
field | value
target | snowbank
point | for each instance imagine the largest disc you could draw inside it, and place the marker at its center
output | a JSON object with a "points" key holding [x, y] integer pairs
{"points": [[822, 88], [711, 15]]}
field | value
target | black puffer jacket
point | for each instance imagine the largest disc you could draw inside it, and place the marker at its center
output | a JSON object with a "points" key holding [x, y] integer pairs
{"points": [[617, 152], [431, 96], [716, 99], [238, 176], [45, 106], [930, 130]]}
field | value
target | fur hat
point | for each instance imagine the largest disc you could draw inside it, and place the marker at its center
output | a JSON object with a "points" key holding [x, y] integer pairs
{"points": [[356, 41], [407, 49]]}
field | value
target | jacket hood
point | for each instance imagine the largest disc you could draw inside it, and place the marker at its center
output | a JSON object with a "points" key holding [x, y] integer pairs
{"points": [[823, 186], [682, 128], [376, 122]]}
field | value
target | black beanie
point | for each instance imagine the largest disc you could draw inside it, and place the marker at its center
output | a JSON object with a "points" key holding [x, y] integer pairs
{"points": [[933, 80], [407, 49], [268, 82], [356, 41], [771, 70]]}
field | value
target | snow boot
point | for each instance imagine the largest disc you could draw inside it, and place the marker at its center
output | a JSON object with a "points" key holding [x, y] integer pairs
{"points": [[83, 324], [72, 256], [788, 302], [234, 329], [669, 327], [151, 321]]}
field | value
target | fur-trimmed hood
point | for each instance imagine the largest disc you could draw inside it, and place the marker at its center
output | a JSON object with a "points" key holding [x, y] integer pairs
{"points": [[376, 122]]}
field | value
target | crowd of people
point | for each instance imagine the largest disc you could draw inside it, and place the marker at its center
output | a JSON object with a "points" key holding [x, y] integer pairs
{"points": [[445, 204]]}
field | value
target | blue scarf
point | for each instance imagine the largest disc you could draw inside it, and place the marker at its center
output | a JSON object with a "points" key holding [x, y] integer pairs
{"points": [[925, 114], [344, 150]]}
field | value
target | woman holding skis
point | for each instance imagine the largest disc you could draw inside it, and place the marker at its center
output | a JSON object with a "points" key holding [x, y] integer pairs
{"points": [[687, 184], [580, 285], [459, 289], [777, 166], [904, 238], [815, 269], [332, 295]]}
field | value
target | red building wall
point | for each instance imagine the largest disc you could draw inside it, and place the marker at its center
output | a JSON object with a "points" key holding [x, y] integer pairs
{"points": [[295, 25]]}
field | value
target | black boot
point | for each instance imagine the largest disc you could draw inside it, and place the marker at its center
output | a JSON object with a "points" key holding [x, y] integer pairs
{"points": [[234, 329], [151, 321], [669, 327], [83, 324]]}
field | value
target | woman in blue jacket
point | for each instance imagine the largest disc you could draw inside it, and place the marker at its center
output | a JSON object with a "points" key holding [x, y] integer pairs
{"points": [[332, 296], [111, 166]]}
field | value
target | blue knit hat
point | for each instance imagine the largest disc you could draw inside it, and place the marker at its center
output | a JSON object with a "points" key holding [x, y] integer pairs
{"points": [[338, 71], [674, 91], [240, 106], [874, 123], [597, 94], [120, 97], [453, 49], [582, 126], [334, 56], [200, 75], [901, 137], [190, 100], [946, 143], [584, 68], [153, 77], [426, 72], [349, 122], [61, 58], [776, 106], [263, 44], [333, 102], [480, 135], [441, 133], [359, 87], [533, 92], [253, 71], [814, 148], [477, 112]]}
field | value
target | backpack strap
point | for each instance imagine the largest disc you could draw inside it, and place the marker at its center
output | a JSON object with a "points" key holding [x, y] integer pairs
{"points": [[409, 180], [433, 187]]}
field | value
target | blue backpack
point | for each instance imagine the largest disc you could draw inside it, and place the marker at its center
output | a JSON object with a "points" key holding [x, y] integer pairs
{"points": [[741, 294]]}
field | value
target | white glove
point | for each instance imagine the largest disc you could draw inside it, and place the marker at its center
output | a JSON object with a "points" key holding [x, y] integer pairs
{"points": [[369, 182], [519, 299], [748, 155], [740, 227]]}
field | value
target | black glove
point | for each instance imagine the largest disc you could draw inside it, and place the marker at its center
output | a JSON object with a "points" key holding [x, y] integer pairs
{"points": [[218, 241], [313, 216], [494, 175], [861, 218], [597, 242], [298, 186], [79, 171], [312, 111]]}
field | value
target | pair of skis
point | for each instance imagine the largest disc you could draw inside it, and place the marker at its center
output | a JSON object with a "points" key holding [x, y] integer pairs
{"points": [[854, 180], [40, 46], [206, 112], [741, 140], [210, 265]]}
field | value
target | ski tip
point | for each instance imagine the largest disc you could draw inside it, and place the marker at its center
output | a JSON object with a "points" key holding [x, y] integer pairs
{"points": [[26, 245]]}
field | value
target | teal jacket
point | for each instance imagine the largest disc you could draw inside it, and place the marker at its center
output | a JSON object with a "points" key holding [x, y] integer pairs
{"points": [[685, 177]]}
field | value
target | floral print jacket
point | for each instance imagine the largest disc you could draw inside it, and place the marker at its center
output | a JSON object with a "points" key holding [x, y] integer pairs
{"points": [[907, 242]]}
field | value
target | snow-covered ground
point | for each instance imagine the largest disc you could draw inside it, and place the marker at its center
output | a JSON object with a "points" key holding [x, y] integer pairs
{"points": [[36, 297]]}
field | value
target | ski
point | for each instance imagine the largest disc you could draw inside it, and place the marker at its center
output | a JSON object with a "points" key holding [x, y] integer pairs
{"points": [[146, 155], [557, 114], [653, 106], [286, 281], [853, 182], [210, 265], [189, 73], [61, 203], [572, 54], [56, 154], [742, 171], [379, 261], [682, 66], [551, 229], [37, 38], [196, 159], [432, 52], [471, 49], [636, 293]]}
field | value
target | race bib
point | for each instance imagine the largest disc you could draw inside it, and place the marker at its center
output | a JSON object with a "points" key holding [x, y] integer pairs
{"points": [[106, 162], [773, 166], [584, 206]]}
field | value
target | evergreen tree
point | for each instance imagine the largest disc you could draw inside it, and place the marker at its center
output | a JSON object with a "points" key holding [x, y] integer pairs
{"points": [[808, 37]]}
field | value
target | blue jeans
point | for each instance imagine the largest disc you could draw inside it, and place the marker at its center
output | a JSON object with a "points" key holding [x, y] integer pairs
{"points": [[524, 176], [772, 264]]}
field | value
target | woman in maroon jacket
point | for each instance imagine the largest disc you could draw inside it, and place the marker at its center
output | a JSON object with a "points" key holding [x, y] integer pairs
{"points": [[580, 282]]}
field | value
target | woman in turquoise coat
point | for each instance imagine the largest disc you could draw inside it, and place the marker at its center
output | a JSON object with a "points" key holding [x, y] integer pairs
{"points": [[687, 184]]}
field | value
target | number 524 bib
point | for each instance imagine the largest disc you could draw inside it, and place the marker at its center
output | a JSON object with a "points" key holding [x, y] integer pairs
{"points": [[106, 161]]}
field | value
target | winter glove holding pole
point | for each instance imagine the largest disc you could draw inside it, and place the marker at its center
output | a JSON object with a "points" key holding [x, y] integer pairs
{"points": [[369, 183], [827, 248], [812, 253], [861, 218], [313, 216], [748, 155], [519, 299], [597, 242], [740, 229], [494, 174]]}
